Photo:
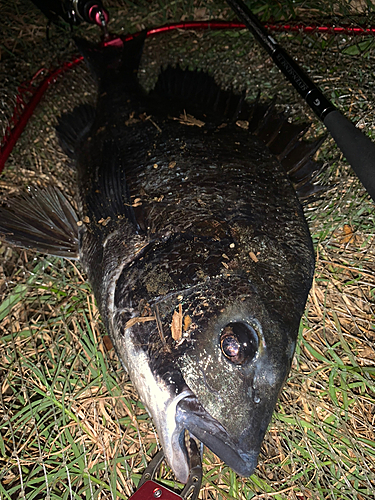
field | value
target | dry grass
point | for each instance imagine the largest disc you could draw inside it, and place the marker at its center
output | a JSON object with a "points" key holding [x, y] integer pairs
{"points": [[71, 425]]}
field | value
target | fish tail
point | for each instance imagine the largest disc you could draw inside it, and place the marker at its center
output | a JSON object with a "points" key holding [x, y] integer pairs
{"points": [[111, 62]]}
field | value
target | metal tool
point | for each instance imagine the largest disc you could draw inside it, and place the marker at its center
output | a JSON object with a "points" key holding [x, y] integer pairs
{"points": [[148, 489], [358, 149]]}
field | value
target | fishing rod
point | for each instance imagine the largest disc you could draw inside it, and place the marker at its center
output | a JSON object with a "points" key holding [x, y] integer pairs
{"points": [[358, 149]]}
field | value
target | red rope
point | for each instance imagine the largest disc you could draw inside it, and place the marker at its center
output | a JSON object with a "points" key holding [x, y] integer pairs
{"points": [[23, 111], [331, 30]]}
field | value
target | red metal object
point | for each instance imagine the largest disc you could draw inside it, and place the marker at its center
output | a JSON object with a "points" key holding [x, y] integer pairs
{"points": [[196, 25], [216, 25], [154, 491], [329, 29]]}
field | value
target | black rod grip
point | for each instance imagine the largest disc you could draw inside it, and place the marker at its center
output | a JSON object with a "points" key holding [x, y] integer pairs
{"points": [[357, 148]]}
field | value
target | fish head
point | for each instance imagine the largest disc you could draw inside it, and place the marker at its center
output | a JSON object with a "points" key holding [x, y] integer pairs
{"points": [[219, 377], [235, 364]]}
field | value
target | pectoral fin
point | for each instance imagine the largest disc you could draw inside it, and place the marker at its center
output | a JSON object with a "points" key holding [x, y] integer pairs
{"points": [[42, 220]]}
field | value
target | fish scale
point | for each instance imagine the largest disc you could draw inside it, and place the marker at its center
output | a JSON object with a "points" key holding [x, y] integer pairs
{"points": [[194, 242]]}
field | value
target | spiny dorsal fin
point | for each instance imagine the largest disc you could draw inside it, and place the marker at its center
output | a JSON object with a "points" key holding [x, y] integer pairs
{"points": [[197, 93], [42, 220]]}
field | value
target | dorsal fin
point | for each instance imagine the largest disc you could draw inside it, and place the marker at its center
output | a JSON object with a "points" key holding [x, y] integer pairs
{"points": [[197, 93]]}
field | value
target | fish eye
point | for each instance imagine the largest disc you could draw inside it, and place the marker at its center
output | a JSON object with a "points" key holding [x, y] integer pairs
{"points": [[239, 342]]}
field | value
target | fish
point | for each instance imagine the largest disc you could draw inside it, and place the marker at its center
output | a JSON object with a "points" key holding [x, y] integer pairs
{"points": [[192, 235]]}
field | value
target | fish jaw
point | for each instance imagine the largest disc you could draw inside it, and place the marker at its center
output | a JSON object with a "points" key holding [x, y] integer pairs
{"points": [[192, 416], [171, 431]]}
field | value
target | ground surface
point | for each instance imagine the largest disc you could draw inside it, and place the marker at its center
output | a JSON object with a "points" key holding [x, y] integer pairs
{"points": [[71, 425]]}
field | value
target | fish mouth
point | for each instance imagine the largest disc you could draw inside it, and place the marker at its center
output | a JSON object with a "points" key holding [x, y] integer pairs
{"points": [[190, 415]]}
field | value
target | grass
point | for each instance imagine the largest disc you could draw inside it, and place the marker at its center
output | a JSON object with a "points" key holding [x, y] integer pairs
{"points": [[71, 424], [61, 398]]}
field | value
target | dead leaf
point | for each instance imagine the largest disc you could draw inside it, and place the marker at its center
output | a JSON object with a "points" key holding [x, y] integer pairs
{"points": [[137, 202], [107, 342], [348, 236], [104, 222], [131, 120], [187, 322], [176, 326], [190, 120], [138, 319], [253, 256], [242, 124]]}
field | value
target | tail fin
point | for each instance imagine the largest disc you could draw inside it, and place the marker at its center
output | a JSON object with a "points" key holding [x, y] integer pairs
{"points": [[112, 61]]}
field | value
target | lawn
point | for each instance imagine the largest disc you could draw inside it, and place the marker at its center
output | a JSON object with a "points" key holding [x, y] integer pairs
{"points": [[71, 424]]}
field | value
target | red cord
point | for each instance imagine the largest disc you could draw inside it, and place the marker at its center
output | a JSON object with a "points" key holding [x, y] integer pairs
{"points": [[331, 30], [22, 111], [215, 25]]}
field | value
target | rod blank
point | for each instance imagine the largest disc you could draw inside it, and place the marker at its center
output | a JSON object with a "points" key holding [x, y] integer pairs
{"points": [[357, 148]]}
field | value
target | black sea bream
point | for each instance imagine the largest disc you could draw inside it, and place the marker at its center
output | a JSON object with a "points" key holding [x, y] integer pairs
{"points": [[194, 242]]}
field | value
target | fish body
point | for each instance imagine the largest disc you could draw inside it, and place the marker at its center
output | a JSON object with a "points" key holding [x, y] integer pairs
{"points": [[195, 245]]}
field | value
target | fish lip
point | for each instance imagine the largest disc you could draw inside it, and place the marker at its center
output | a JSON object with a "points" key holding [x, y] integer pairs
{"points": [[172, 436], [193, 417]]}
